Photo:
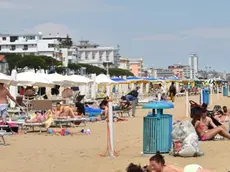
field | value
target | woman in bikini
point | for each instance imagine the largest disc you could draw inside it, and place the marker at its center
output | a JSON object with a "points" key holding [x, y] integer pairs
{"points": [[203, 132]]}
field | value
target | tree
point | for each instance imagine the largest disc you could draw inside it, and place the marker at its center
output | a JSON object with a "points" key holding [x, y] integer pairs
{"points": [[119, 72]]}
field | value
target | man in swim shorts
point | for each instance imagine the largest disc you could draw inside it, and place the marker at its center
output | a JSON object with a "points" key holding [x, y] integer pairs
{"points": [[4, 94]]}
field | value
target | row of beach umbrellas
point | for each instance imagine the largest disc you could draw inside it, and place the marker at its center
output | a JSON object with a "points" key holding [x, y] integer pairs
{"points": [[49, 80]]}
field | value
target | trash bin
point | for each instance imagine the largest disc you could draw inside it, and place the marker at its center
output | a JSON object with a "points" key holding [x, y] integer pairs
{"points": [[157, 128], [225, 90], [206, 95]]}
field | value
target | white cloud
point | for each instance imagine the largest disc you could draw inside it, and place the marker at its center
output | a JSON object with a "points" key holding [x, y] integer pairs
{"points": [[59, 6], [212, 33], [51, 28], [160, 37], [11, 5], [206, 33]]}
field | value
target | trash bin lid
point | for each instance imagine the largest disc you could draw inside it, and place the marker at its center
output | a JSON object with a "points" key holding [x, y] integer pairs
{"points": [[158, 105]]}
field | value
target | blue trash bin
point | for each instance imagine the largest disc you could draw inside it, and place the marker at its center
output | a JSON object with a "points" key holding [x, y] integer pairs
{"points": [[206, 96], [157, 128], [225, 90]]}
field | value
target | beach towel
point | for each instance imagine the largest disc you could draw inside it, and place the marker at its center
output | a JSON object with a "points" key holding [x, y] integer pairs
{"points": [[49, 119], [93, 111]]}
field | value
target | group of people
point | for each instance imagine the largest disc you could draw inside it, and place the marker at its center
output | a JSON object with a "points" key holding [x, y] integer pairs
{"points": [[208, 127], [157, 164]]}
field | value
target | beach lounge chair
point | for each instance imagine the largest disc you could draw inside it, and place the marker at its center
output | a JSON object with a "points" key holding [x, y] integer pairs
{"points": [[70, 121]]}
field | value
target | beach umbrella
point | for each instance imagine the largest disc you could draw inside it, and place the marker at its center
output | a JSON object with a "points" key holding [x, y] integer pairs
{"points": [[104, 79], [119, 80], [7, 80], [56, 78], [33, 79], [76, 80], [13, 88]]}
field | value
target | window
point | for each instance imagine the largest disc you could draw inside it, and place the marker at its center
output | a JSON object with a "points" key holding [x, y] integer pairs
{"points": [[70, 53], [0, 48], [50, 45], [13, 38], [13, 47], [4, 38], [25, 47]]}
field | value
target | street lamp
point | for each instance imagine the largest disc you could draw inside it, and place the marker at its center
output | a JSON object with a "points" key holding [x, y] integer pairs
{"points": [[107, 64]]}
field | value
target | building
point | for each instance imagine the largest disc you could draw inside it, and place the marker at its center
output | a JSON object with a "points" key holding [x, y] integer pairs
{"points": [[97, 55], [4, 67], [180, 71], [163, 73], [124, 63], [29, 44], [193, 64], [136, 67]]}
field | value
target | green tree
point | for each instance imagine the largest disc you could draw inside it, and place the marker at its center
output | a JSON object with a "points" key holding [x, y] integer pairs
{"points": [[119, 72]]}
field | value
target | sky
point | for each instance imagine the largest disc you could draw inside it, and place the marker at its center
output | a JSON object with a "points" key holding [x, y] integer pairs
{"points": [[162, 32]]}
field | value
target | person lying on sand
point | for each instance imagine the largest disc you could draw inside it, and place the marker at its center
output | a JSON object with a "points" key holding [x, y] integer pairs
{"points": [[63, 111], [157, 164], [201, 128]]}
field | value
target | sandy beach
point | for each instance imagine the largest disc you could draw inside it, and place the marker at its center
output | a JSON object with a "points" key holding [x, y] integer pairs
{"points": [[42, 152]]}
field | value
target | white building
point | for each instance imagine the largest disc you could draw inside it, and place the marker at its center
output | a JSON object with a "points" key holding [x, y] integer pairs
{"points": [[29, 44], [124, 63], [193, 64], [97, 55]]}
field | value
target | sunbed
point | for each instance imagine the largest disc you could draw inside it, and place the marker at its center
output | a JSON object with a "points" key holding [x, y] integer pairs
{"points": [[70, 121]]}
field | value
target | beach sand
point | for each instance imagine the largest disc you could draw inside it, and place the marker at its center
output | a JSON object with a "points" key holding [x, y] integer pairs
{"points": [[41, 152]]}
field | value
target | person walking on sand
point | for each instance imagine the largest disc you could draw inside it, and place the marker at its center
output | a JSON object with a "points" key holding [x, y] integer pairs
{"points": [[4, 94], [172, 92]]}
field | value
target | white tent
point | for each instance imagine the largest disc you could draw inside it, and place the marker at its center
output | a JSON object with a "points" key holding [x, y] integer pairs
{"points": [[33, 79], [103, 79], [7, 80]]}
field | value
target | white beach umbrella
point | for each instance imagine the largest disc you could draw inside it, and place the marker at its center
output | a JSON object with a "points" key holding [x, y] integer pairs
{"points": [[76, 80], [7, 80], [103, 79], [56, 78], [13, 89], [33, 79]]}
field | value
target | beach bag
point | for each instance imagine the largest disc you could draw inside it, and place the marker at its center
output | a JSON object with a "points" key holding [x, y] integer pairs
{"points": [[185, 139]]}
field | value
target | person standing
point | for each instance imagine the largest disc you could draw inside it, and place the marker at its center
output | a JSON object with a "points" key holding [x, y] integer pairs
{"points": [[172, 92], [4, 94], [133, 97]]}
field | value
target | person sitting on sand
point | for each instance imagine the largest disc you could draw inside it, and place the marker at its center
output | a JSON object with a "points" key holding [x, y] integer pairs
{"points": [[63, 111], [220, 116], [226, 111], [210, 122], [157, 164], [105, 115], [201, 128]]}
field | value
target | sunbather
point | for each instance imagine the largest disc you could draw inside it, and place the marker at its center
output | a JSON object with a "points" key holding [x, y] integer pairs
{"points": [[63, 111], [226, 111], [220, 116], [157, 164], [105, 115], [201, 128], [39, 118]]}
